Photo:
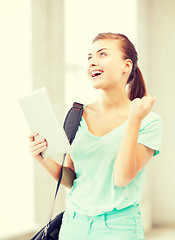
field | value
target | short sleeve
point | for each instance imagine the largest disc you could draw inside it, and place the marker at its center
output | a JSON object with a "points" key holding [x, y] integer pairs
{"points": [[151, 132]]}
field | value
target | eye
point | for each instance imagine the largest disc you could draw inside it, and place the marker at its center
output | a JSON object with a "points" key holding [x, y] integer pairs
{"points": [[102, 54], [89, 58]]}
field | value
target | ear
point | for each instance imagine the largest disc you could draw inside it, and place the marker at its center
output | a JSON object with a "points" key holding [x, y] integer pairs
{"points": [[127, 65]]}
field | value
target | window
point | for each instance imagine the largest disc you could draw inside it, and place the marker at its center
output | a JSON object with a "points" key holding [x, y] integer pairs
{"points": [[83, 21], [16, 171]]}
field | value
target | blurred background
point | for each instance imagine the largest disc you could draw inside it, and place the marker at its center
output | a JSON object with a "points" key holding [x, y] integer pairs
{"points": [[45, 43]]}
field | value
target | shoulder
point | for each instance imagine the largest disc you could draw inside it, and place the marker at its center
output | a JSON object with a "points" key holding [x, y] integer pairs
{"points": [[153, 116], [151, 132], [90, 107], [152, 119]]}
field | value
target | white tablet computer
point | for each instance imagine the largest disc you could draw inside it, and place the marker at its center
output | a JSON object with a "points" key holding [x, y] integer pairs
{"points": [[41, 118]]}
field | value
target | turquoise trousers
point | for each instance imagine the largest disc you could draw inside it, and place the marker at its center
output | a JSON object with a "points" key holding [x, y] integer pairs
{"points": [[124, 224]]}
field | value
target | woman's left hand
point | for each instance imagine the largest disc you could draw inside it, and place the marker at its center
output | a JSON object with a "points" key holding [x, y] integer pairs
{"points": [[140, 107]]}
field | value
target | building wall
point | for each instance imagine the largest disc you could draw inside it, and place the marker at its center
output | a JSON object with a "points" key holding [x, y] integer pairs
{"points": [[48, 71], [156, 39], [156, 51], [16, 170]]}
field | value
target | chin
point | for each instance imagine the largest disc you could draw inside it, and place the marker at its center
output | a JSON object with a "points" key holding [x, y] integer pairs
{"points": [[97, 86]]}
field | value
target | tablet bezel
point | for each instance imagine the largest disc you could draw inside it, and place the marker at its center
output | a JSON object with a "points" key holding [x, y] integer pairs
{"points": [[41, 118]]}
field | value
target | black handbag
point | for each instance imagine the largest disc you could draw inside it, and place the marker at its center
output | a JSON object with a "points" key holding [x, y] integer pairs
{"points": [[51, 230]]}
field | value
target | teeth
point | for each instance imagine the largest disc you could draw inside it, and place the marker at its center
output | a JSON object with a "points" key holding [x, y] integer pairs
{"points": [[96, 73]]}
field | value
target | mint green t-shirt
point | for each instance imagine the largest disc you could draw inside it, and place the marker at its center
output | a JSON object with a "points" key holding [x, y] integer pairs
{"points": [[93, 191]]}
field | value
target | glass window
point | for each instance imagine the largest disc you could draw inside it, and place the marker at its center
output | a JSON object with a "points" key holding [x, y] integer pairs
{"points": [[16, 171], [83, 21]]}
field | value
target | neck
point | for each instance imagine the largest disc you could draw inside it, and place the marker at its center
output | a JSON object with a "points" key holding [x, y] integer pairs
{"points": [[114, 99]]}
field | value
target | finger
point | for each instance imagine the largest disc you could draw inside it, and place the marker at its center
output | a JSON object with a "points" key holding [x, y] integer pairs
{"points": [[37, 142], [146, 99], [153, 100], [149, 99], [36, 153], [38, 149], [32, 136]]}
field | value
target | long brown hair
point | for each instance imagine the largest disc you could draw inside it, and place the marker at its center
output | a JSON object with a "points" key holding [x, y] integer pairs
{"points": [[136, 83]]}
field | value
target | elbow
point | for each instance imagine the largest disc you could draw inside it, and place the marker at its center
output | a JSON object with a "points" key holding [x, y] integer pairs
{"points": [[68, 177], [121, 182]]}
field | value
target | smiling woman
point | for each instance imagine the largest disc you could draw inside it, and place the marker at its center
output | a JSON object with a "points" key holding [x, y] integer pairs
{"points": [[137, 88], [79, 88], [117, 136]]}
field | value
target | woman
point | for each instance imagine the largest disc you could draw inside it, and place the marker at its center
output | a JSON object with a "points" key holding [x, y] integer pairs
{"points": [[117, 137]]}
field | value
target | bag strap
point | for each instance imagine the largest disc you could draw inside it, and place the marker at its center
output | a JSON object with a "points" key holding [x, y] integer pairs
{"points": [[71, 123]]}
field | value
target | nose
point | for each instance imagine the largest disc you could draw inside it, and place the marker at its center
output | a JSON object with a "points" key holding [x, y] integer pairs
{"points": [[93, 62]]}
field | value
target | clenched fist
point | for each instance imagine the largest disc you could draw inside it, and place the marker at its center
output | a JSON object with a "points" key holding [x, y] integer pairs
{"points": [[140, 107]]}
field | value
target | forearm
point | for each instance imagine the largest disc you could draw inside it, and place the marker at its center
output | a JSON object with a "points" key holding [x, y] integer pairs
{"points": [[125, 166], [55, 169]]}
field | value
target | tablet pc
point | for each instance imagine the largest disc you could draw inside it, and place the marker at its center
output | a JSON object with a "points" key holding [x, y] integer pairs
{"points": [[41, 118]]}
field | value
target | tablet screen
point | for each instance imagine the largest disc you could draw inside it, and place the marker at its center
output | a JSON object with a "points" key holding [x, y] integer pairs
{"points": [[41, 118]]}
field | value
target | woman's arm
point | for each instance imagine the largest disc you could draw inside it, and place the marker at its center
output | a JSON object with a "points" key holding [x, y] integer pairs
{"points": [[132, 157], [54, 169], [37, 146]]}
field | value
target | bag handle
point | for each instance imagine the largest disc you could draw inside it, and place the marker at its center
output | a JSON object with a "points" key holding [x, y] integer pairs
{"points": [[70, 126], [58, 185]]}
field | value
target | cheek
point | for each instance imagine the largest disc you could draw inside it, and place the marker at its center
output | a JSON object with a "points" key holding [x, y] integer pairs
{"points": [[115, 74], [116, 68], [88, 72]]}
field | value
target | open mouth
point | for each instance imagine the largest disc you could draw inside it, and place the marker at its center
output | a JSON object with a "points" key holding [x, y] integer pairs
{"points": [[96, 73]]}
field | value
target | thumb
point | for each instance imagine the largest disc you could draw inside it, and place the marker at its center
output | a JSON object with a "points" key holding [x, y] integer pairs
{"points": [[153, 100]]}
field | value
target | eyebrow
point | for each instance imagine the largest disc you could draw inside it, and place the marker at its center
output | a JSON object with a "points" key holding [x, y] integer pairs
{"points": [[99, 50]]}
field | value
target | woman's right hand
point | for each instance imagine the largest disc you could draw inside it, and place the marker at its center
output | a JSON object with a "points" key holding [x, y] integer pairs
{"points": [[36, 147]]}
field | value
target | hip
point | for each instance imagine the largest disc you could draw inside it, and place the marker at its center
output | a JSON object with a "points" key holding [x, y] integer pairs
{"points": [[125, 223]]}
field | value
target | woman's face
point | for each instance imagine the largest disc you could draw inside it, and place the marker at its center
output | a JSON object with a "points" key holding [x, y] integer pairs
{"points": [[106, 64]]}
